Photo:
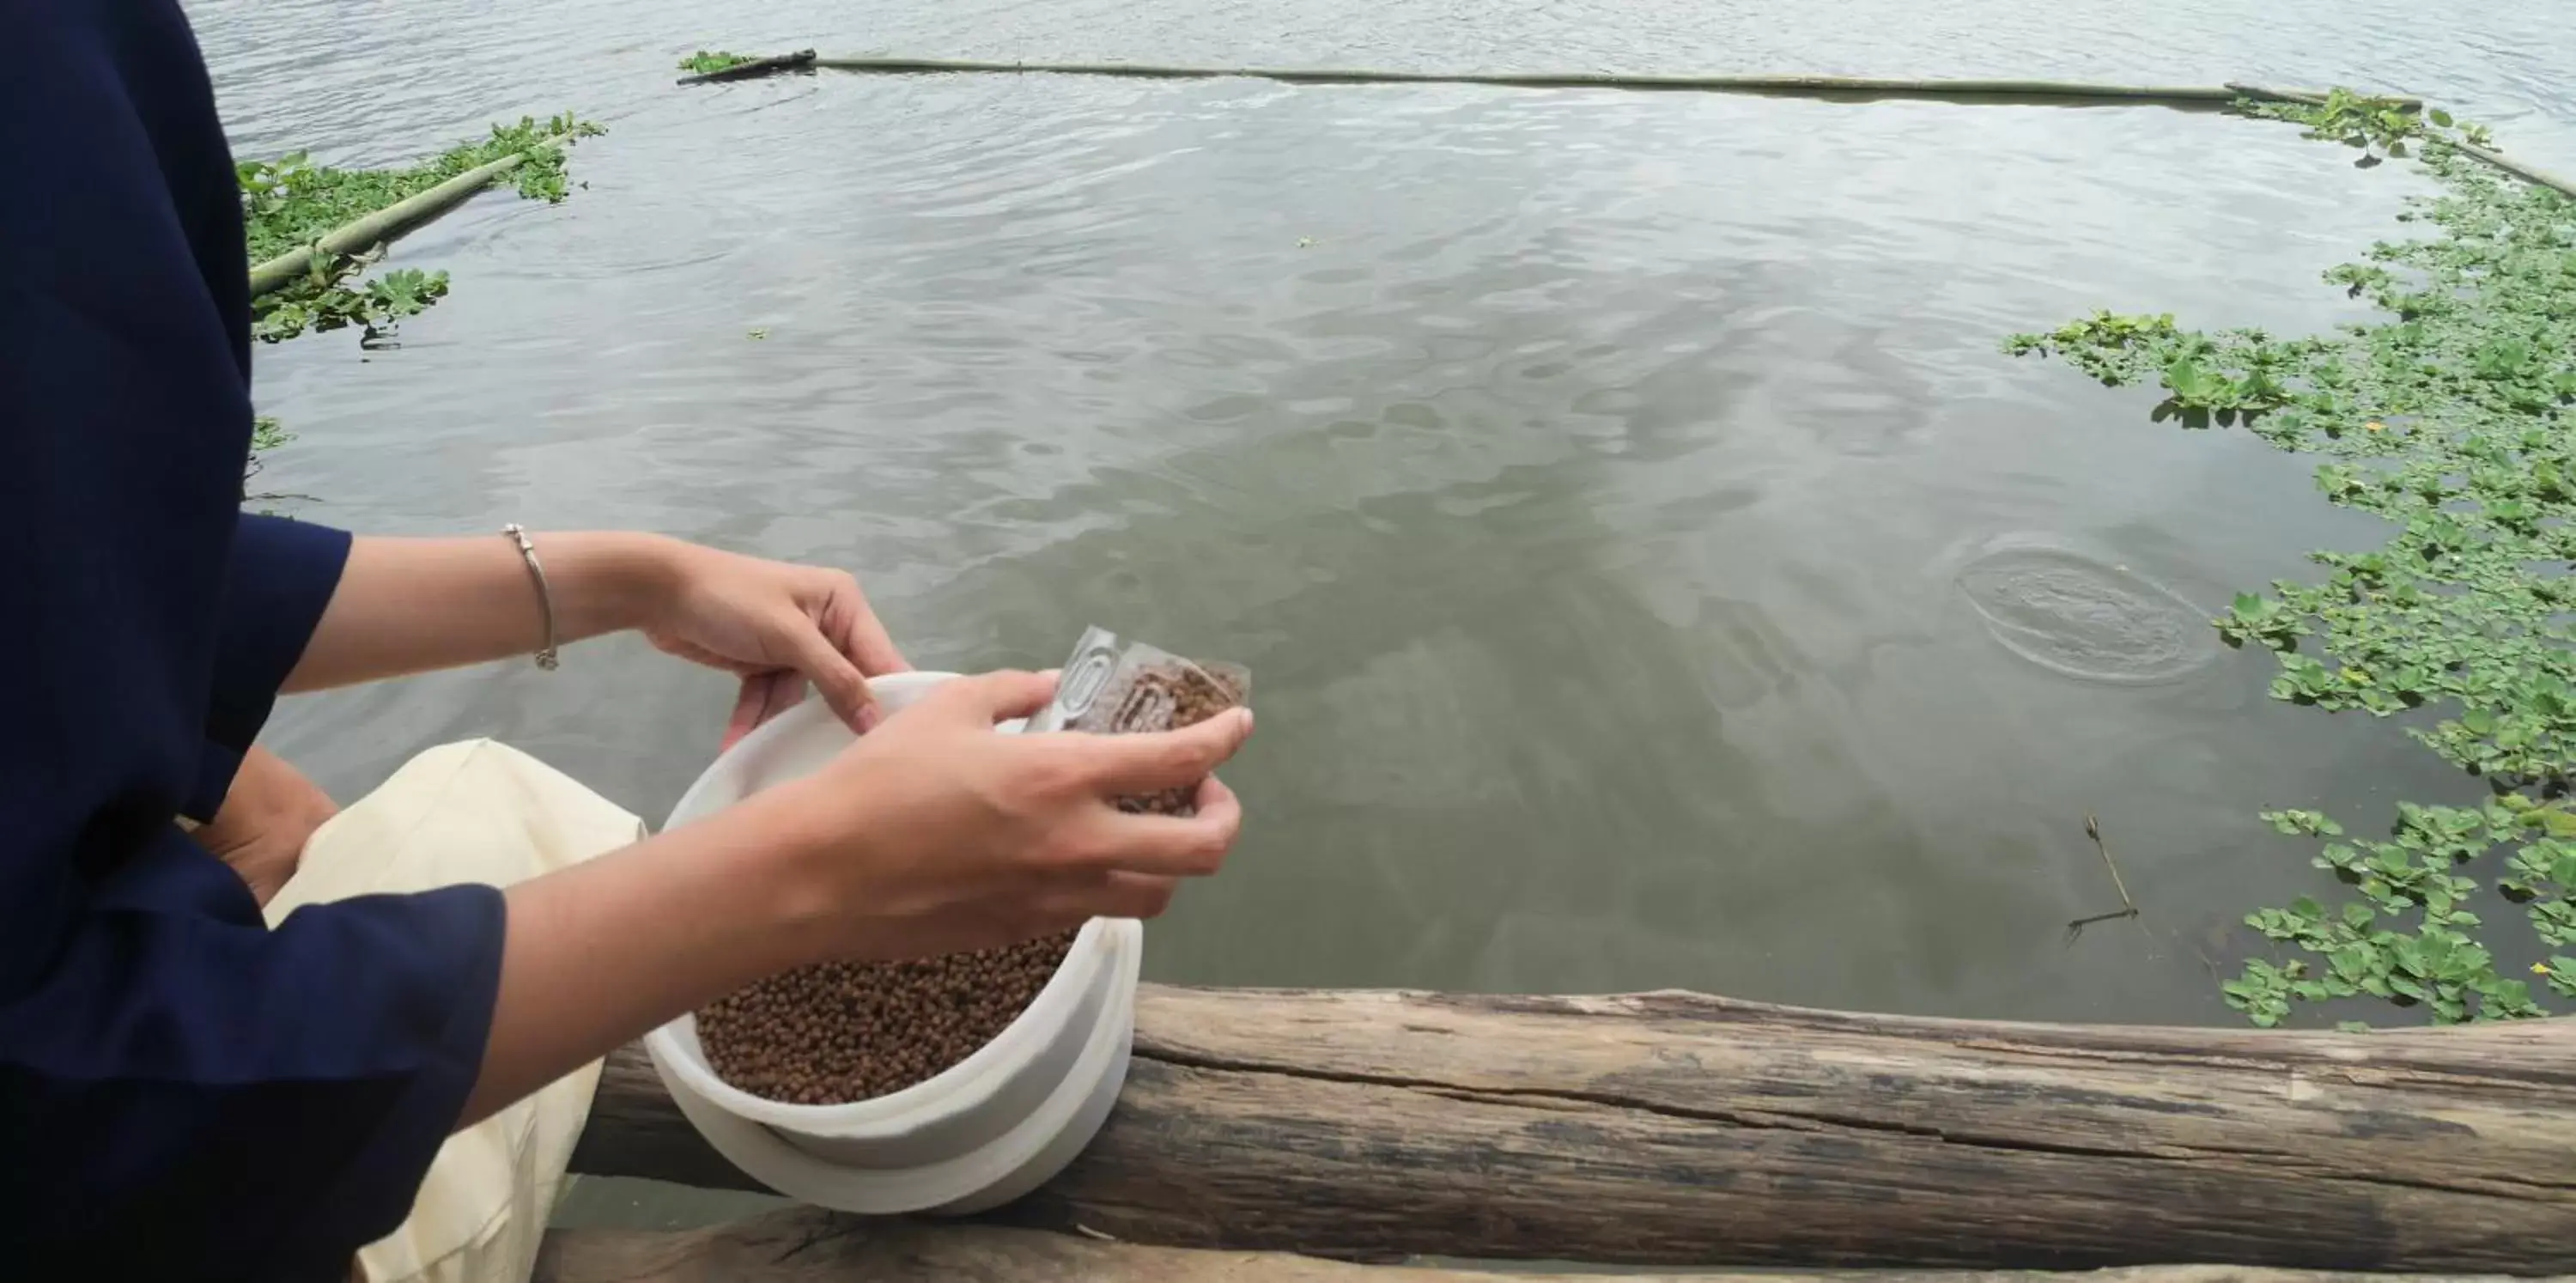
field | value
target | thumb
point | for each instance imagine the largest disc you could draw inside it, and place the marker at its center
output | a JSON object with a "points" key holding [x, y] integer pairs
{"points": [[833, 674], [1179, 758], [998, 696]]}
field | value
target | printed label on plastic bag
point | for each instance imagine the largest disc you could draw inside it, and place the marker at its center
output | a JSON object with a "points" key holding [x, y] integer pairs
{"points": [[1111, 686]]}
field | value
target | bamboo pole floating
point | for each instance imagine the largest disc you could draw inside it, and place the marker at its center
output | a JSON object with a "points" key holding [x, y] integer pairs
{"points": [[2506, 163], [755, 67], [1759, 84], [1794, 86], [2309, 96], [2520, 170], [391, 221]]}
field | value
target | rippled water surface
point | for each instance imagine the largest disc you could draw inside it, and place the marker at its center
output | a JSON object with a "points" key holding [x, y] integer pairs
{"points": [[1652, 573]]}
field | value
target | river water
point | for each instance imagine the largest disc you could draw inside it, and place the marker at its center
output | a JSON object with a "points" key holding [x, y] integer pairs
{"points": [[1651, 571]]}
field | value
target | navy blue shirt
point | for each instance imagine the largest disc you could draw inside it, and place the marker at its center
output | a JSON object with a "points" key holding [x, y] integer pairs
{"points": [[184, 1093]]}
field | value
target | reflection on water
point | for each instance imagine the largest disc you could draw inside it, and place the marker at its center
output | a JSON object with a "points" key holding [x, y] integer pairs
{"points": [[1606, 489]]}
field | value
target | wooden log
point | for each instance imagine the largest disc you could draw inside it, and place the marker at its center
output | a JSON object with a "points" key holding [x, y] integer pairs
{"points": [[756, 67], [1863, 87], [807, 1245], [1677, 1129]]}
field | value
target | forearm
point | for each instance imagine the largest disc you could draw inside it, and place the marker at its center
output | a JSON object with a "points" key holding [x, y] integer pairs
{"points": [[412, 605], [600, 953]]}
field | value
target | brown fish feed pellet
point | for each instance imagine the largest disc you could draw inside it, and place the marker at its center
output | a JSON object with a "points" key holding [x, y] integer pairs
{"points": [[848, 1031]]}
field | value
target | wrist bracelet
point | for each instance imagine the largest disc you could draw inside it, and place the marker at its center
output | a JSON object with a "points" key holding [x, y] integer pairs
{"points": [[547, 659]]}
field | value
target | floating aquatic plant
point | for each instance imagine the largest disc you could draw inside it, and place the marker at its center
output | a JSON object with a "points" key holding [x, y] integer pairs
{"points": [[321, 300], [706, 62], [290, 202], [2454, 417], [2383, 128]]}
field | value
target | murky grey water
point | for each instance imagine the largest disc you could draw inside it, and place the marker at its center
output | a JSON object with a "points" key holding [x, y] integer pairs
{"points": [[1652, 573]]}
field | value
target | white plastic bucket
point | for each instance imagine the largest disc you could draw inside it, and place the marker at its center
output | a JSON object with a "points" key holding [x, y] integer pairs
{"points": [[981, 1133]]}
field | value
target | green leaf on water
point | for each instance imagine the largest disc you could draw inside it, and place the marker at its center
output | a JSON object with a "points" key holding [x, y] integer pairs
{"points": [[705, 61], [289, 203], [2562, 869], [2450, 415], [2560, 973]]}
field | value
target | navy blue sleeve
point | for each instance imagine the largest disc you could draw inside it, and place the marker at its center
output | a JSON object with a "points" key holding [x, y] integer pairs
{"points": [[280, 576], [183, 1092]]}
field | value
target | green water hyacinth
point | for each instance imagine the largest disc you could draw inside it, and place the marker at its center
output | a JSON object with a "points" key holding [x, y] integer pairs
{"points": [[290, 202], [2453, 417], [707, 62]]}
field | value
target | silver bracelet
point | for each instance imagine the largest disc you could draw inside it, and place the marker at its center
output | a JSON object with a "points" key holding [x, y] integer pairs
{"points": [[547, 658]]}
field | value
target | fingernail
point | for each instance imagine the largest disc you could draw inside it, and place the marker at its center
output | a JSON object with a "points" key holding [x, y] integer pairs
{"points": [[1244, 715], [869, 716]]}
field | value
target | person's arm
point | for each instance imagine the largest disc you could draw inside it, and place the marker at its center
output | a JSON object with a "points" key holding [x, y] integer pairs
{"points": [[932, 835], [180, 1084], [267, 818], [408, 606], [182, 1090]]}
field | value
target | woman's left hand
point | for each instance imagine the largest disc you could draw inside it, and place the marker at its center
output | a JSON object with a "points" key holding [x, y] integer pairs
{"points": [[268, 815], [776, 626]]}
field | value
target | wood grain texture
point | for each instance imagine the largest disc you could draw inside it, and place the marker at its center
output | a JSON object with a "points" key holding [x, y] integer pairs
{"points": [[807, 1245], [1678, 1129]]}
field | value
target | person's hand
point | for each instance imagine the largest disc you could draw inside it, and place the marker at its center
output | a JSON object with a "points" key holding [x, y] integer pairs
{"points": [[270, 813], [776, 626], [935, 833]]}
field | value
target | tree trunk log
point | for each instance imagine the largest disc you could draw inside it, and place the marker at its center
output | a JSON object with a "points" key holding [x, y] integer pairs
{"points": [[1676, 1129], [809, 1245]]}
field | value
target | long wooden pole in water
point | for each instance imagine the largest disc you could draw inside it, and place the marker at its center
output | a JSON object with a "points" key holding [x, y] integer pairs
{"points": [[1760, 84], [2527, 173], [756, 67], [391, 221], [1807, 86], [2520, 170]]}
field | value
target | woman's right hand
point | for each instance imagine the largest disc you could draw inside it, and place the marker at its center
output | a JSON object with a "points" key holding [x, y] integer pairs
{"points": [[930, 835], [935, 834]]}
